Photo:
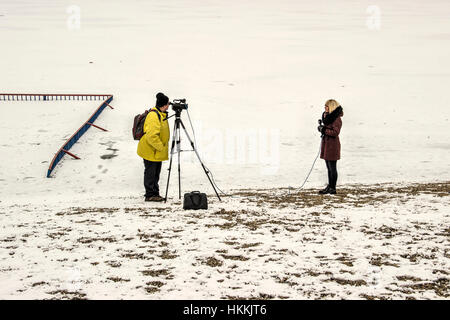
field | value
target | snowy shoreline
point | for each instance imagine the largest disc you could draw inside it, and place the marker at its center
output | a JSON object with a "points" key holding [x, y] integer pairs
{"points": [[365, 243]]}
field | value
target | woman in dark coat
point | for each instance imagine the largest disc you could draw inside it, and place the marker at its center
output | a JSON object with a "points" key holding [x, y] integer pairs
{"points": [[331, 146]]}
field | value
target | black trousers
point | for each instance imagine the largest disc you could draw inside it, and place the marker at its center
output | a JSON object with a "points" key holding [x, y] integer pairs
{"points": [[151, 177], [332, 173]]}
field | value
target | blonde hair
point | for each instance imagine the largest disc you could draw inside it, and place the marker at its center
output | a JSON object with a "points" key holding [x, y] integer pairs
{"points": [[332, 105]]}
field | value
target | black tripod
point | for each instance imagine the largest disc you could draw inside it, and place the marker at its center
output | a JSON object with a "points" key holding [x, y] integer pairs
{"points": [[176, 140]]}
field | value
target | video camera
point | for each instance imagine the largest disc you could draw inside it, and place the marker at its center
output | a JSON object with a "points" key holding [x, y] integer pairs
{"points": [[178, 105]]}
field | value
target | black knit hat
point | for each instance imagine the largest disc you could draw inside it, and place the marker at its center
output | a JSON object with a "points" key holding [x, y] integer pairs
{"points": [[161, 100]]}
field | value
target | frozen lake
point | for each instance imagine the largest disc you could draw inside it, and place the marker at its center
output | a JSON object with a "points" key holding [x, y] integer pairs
{"points": [[256, 76]]}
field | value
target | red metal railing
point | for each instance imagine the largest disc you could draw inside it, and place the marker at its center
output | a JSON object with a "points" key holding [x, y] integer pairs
{"points": [[106, 99], [50, 97]]}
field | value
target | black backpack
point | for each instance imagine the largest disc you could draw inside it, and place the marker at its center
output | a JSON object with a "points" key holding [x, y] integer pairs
{"points": [[138, 124]]}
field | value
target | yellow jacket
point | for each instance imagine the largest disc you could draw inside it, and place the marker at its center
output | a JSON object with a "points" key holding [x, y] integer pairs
{"points": [[154, 144]]}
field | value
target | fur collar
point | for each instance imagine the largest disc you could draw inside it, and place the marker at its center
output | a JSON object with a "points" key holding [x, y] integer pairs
{"points": [[331, 117]]}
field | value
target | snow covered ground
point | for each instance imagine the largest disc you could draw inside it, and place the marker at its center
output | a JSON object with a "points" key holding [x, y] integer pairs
{"points": [[256, 75], [369, 242]]}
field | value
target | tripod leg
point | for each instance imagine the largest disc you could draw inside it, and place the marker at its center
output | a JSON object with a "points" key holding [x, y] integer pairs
{"points": [[179, 161], [199, 159], [170, 163]]}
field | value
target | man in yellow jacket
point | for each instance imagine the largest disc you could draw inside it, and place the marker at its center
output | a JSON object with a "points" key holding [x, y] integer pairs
{"points": [[154, 146]]}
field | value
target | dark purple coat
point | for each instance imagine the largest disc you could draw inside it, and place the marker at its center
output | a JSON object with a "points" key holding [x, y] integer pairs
{"points": [[331, 146]]}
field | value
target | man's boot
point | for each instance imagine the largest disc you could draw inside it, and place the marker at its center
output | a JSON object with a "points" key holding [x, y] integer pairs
{"points": [[154, 199]]}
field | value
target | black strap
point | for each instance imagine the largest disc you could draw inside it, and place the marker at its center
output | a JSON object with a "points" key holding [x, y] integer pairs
{"points": [[159, 116]]}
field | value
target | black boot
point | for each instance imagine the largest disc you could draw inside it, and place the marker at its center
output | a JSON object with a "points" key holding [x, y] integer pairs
{"points": [[154, 199], [332, 191], [325, 191]]}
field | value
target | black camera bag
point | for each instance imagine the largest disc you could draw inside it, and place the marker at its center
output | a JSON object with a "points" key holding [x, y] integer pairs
{"points": [[195, 200]]}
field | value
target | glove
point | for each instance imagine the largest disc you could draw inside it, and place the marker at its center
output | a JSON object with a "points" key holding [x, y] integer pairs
{"points": [[321, 128]]}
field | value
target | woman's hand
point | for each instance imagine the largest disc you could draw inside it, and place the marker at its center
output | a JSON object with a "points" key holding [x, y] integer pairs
{"points": [[321, 128]]}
